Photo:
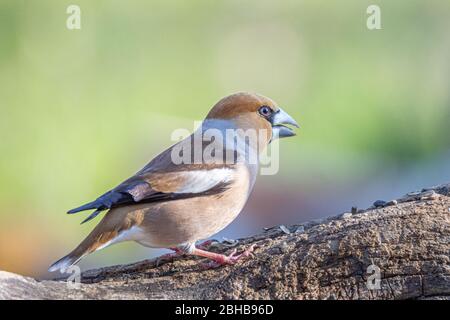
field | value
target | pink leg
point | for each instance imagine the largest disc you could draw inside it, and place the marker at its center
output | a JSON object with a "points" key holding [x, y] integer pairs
{"points": [[220, 259]]}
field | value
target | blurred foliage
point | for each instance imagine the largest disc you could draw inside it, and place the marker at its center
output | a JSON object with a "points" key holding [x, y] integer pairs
{"points": [[83, 109]]}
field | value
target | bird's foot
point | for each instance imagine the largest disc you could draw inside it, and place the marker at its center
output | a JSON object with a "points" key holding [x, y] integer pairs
{"points": [[221, 259]]}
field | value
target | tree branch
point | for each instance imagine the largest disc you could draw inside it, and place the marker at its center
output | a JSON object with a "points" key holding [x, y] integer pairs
{"points": [[407, 240]]}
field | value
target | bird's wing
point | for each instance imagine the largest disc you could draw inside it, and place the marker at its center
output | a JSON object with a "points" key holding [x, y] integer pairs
{"points": [[161, 180]]}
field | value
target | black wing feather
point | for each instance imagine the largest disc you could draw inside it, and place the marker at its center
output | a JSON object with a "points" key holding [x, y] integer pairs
{"points": [[138, 193]]}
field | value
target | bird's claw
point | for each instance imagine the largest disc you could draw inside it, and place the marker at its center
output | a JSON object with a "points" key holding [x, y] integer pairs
{"points": [[232, 258]]}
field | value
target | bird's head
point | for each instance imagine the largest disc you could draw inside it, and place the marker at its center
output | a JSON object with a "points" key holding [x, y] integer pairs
{"points": [[254, 111]]}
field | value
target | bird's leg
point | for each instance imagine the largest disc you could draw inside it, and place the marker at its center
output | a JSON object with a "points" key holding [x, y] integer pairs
{"points": [[221, 259], [169, 256]]}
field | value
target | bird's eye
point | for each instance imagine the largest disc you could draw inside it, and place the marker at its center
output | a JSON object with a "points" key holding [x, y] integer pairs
{"points": [[265, 111]]}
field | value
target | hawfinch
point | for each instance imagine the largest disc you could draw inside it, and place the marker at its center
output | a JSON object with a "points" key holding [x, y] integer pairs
{"points": [[193, 189]]}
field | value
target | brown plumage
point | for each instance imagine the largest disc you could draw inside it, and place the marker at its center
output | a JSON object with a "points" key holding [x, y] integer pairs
{"points": [[173, 205]]}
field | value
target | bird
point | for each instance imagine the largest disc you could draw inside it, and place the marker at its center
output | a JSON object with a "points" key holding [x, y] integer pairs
{"points": [[190, 191]]}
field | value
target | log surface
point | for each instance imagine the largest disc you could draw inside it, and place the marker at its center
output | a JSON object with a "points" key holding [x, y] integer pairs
{"points": [[406, 240]]}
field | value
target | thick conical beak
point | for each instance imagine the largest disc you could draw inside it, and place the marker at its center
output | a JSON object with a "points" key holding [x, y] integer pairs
{"points": [[279, 120]]}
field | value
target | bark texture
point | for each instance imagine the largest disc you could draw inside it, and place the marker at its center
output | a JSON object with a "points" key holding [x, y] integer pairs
{"points": [[406, 240]]}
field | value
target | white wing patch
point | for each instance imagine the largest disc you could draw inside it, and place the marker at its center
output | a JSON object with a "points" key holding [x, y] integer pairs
{"points": [[201, 180]]}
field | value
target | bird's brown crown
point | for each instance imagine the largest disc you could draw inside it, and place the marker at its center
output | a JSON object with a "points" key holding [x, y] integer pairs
{"points": [[239, 104]]}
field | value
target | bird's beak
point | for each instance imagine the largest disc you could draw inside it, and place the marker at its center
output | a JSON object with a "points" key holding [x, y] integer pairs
{"points": [[279, 120]]}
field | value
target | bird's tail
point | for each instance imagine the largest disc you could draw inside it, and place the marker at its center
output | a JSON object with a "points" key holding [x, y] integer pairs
{"points": [[102, 235], [65, 263]]}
